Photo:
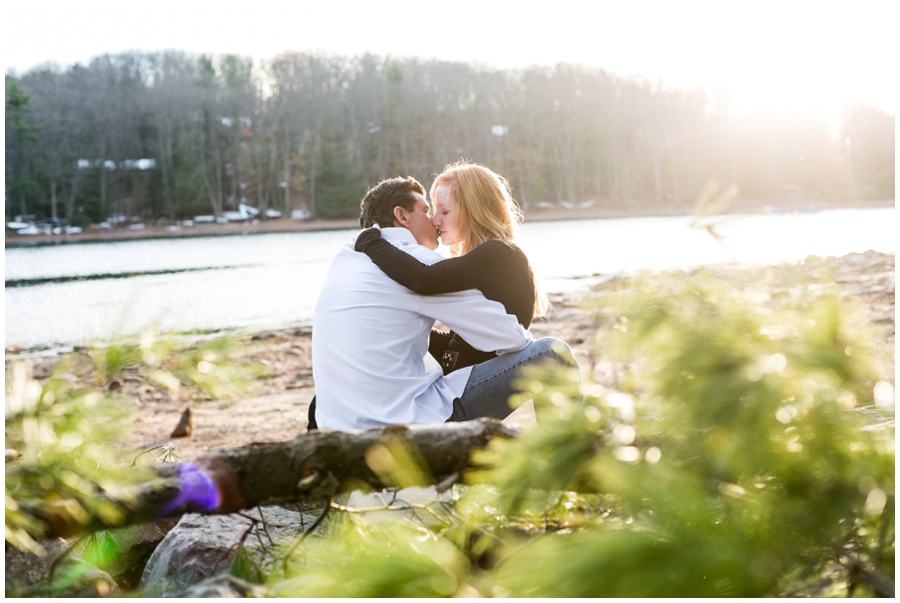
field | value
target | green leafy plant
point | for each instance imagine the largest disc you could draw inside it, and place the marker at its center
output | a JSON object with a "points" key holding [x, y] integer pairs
{"points": [[360, 559], [746, 448], [61, 432], [745, 443], [744, 453], [66, 468], [209, 366]]}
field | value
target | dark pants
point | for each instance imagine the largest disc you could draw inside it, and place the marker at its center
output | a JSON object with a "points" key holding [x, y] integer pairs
{"points": [[311, 424]]}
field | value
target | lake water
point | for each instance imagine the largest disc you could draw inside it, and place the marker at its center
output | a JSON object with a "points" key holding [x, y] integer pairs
{"points": [[272, 280]]}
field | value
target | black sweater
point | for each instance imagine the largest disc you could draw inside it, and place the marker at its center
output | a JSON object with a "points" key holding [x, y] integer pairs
{"points": [[498, 269]]}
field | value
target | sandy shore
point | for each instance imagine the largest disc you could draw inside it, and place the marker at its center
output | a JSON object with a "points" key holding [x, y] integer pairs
{"points": [[287, 225], [277, 409]]}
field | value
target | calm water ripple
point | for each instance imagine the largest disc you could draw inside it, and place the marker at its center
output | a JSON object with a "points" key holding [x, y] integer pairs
{"points": [[273, 280]]}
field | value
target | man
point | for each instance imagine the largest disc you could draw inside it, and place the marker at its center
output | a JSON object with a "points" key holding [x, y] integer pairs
{"points": [[370, 334]]}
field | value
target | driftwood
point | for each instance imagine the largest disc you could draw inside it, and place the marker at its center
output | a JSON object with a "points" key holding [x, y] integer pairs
{"points": [[312, 467]]}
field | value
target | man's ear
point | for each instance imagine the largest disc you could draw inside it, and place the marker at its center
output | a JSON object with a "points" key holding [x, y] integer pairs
{"points": [[400, 217]]}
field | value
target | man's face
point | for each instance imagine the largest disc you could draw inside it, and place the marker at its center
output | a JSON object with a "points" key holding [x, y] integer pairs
{"points": [[418, 221]]}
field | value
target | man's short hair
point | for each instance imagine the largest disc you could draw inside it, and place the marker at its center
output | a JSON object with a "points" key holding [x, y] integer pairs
{"points": [[379, 203]]}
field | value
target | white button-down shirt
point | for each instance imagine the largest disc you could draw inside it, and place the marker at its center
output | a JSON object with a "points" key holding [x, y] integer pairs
{"points": [[370, 342]]}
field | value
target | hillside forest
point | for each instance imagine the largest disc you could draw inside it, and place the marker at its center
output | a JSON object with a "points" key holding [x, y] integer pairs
{"points": [[171, 135]]}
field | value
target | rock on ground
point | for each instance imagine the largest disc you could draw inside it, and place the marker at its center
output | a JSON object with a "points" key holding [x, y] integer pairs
{"points": [[225, 586], [201, 547], [28, 575]]}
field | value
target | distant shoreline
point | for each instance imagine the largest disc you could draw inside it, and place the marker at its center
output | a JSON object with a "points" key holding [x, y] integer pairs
{"points": [[287, 225]]}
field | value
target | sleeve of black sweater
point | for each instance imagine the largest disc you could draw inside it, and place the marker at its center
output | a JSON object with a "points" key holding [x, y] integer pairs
{"points": [[469, 271]]}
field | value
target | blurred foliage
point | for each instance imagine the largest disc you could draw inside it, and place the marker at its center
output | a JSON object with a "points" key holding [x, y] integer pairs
{"points": [[61, 434], [745, 443], [209, 366], [111, 358], [745, 452], [244, 567], [363, 559], [712, 203], [65, 468], [747, 449]]}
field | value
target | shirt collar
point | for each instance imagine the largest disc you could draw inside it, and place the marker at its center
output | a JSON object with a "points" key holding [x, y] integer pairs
{"points": [[398, 234]]}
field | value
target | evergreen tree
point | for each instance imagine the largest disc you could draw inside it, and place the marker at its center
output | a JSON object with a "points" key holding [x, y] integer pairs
{"points": [[21, 139]]}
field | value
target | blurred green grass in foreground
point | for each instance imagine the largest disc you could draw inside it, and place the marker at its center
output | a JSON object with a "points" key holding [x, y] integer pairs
{"points": [[746, 450]]}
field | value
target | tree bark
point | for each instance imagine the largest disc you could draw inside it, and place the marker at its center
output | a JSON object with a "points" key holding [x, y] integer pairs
{"points": [[287, 169], [53, 184], [165, 162], [312, 204], [69, 201], [312, 467]]}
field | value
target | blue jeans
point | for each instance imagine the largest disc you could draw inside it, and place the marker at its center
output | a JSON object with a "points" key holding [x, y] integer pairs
{"points": [[491, 383]]}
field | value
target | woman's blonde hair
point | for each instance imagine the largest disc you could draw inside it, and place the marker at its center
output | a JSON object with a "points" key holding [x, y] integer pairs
{"points": [[486, 209]]}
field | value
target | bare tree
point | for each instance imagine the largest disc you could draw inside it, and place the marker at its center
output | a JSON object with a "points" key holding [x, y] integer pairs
{"points": [[314, 130]]}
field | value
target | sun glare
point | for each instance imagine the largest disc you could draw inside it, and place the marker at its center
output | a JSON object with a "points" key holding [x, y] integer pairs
{"points": [[795, 56]]}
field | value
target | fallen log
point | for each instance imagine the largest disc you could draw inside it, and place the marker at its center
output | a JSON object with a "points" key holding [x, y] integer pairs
{"points": [[312, 467]]}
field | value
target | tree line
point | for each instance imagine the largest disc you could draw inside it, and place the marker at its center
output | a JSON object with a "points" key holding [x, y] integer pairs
{"points": [[172, 135]]}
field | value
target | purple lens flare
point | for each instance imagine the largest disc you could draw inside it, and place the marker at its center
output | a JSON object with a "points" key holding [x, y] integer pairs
{"points": [[197, 488]]}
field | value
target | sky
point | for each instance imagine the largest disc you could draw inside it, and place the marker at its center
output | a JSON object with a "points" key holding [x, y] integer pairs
{"points": [[784, 56]]}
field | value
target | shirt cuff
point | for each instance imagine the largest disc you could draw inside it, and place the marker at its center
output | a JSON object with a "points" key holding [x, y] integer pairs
{"points": [[528, 339]]}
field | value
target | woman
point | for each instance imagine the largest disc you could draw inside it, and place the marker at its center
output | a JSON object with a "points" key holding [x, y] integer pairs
{"points": [[478, 220]]}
